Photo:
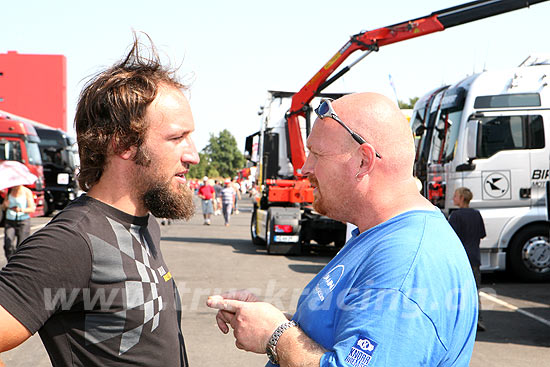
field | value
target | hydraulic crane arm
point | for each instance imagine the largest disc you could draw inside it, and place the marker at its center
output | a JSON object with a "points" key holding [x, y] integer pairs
{"points": [[371, 41]]}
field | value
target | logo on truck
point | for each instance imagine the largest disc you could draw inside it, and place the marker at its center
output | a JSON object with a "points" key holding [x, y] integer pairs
{"points": [[496, 185]]}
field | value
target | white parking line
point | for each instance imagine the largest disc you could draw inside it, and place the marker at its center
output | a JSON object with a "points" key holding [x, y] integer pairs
{"points": [[32, 229], [513, 308]]}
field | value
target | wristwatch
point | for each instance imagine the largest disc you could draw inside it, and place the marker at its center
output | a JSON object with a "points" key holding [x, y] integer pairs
{"points": [[271, 348]]}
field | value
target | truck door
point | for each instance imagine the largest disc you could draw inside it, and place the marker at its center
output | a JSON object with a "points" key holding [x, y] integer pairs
{"points": [[501, 182], [539, 154], [510, 155]]}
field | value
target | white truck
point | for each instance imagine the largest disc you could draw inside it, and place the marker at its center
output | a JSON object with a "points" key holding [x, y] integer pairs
{"points": [[491, 133], [285, 227]]}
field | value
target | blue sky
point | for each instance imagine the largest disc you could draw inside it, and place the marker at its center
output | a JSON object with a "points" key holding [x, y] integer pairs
{"points": [[234, 51]]}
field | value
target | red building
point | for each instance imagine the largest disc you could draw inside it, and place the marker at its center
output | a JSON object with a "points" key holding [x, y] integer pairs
{"points": [[35, 87]]}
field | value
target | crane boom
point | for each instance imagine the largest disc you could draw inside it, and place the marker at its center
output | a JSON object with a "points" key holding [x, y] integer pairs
{"points": [[370, 41]]}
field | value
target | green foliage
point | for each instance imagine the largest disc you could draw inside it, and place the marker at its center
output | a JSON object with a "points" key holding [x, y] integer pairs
{"points": [[220, 158], [200, 170], [410, 105]]}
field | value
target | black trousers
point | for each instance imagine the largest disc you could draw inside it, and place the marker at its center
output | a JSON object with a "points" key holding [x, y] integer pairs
{"points": [[14, 233]]}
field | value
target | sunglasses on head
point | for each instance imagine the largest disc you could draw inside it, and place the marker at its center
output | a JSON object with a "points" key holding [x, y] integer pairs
{"points": [[325, 110]]}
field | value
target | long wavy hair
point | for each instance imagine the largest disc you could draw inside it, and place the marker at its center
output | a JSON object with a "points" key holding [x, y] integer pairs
{"points": [[110, 115]]}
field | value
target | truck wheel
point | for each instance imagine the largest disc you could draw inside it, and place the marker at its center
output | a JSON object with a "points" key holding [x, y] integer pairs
{"points": [[253, 232], [529, 254], [46, 205]]}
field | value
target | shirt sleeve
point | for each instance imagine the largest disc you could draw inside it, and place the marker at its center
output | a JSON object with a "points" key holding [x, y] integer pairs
{"points": [[382, 327], [47, 274]]}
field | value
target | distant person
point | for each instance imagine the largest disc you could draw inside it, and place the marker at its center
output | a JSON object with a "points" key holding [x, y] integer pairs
{"points": [[468, 225], [401, 291], [19, 204], [207, 194], [218, 201], [237, 188], [93, 282], [228, 198]]}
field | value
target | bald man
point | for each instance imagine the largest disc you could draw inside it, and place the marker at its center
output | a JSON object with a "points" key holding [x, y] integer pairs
{"points": [[401, 291]]}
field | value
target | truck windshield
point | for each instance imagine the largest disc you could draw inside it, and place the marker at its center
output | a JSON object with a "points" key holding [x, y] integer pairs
{"points": [[74, 160], [33, 152], [446, 132], [10, 150]]}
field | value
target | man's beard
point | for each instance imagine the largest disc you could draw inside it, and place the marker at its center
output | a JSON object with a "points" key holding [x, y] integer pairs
{"points": [[163, 202], [159, 197]]}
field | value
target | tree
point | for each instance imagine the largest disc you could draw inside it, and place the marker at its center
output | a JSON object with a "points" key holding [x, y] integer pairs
{"points": [[224, 157], [410, 105], [200, 170]]}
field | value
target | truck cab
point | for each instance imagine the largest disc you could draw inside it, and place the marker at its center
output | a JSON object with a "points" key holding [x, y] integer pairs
{"points": [[60, 161], [284, 220], [494, 138], [19, 142]]}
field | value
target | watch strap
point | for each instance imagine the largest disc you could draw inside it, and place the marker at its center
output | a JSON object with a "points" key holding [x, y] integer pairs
{"points": [[271, 350]]}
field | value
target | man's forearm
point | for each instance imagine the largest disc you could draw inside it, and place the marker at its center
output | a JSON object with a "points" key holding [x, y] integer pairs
{"points": [[296, 349]]}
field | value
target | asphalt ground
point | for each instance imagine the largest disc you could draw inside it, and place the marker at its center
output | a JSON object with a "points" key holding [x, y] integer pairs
{"points": [[207, 260]]}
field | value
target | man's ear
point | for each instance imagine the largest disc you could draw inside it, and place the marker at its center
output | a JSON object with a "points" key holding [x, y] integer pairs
{"points": [[368, 157], [127, 154]]}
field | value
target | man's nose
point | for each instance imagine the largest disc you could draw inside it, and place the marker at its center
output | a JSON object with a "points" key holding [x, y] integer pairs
{"points": [[306, 168], [190, 154]]}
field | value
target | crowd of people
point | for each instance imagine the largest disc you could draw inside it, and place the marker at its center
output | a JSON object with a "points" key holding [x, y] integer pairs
{"points": [[219, 197], [400, 292]]}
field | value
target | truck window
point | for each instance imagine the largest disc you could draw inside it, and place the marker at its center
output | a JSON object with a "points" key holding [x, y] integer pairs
{"points": [[510, 133], [418, 126], [10, 150], [446, 132], [74, 160], [33, 152]]}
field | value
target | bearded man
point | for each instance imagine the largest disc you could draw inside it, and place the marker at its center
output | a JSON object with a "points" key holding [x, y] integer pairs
{"points": [[93, 282]]}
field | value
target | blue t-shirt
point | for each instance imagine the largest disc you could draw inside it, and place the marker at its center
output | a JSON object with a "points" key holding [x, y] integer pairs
{"points": [[399, 294]]}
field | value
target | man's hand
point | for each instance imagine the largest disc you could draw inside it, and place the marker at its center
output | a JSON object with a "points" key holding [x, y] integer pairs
{"points": [[252, 322], [223, 318]]}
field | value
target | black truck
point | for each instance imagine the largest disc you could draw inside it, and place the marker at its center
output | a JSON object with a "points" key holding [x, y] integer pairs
{"points": [[60, 161]]}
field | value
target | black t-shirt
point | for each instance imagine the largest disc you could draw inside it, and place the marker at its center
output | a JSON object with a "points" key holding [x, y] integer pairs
{"points": [[94, 284], [468, 225]]}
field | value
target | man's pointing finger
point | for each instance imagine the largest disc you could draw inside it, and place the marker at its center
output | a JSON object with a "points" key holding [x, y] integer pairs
{"points": [[220, 303]]}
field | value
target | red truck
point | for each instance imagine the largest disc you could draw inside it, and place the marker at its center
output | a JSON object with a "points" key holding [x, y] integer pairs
{"points": [[19, 142]]}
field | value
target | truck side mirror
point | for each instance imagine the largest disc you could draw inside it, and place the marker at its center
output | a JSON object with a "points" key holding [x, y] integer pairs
{"points": [[420, 130], [472, 128]]}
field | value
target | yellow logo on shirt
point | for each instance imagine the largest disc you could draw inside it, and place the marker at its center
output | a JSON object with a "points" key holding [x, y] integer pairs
{"points": [[165, 274]]}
